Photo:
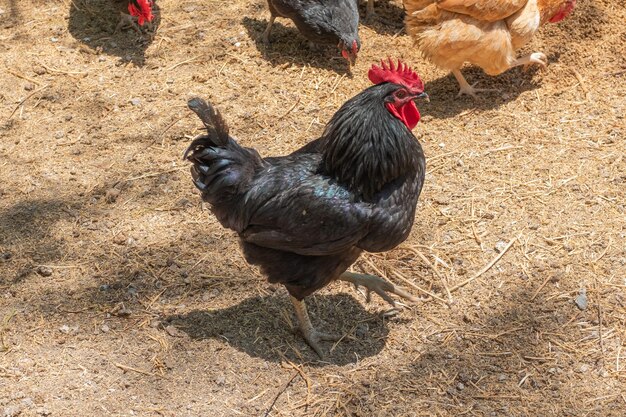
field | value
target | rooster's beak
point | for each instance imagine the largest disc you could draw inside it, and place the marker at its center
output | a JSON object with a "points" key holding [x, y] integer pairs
{"points": [[422, 96]]}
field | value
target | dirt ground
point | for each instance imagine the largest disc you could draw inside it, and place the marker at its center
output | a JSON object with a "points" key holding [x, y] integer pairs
{"points": [[120, 295]]}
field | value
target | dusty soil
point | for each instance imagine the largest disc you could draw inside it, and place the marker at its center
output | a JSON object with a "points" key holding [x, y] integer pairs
{"points": [[121, 295]]}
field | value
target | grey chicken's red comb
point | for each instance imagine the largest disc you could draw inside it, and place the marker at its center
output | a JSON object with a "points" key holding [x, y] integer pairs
{"points": [[400, 74]]}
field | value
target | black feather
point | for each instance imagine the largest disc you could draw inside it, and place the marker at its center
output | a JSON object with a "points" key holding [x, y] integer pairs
{"points": [[216, 126]]}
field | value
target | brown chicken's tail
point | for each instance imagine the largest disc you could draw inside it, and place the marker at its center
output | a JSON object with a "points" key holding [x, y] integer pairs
{"points": [[221, 168]]}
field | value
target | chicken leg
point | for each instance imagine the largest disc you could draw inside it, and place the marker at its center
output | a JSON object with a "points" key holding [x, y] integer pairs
{"points": [[538, 58], [369, 11], [312, 336], [466, 88], [379, 286], [268, 30]]}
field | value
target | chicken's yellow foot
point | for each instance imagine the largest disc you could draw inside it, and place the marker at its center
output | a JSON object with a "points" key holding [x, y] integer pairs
{"points": [[538, 58], [312, 336], [466, 88], [379, 286]]}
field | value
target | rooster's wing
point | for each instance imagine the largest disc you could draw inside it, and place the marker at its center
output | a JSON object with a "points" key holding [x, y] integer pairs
{"points": [[304, 214]]}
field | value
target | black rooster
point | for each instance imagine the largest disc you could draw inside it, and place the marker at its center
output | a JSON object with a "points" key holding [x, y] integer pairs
{"points": [[327, 22], [305, 218]]}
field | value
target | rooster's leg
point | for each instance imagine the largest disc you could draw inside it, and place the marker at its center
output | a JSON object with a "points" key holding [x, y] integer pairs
{"points": [[369, 11], [379, 286], [465, 87], [538, 58], [312, 336], [268, 30], [125, 21]]}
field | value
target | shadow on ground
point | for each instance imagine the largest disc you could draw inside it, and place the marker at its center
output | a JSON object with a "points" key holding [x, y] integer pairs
{"points": [[443, 91], [288, 46], [93, 23], [262, 327]]}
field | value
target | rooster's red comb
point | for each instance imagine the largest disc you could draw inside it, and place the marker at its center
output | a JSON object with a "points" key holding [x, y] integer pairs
{"points": [[400, 74]]}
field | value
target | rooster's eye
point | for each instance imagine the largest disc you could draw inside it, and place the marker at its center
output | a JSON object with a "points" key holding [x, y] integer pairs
{"points": [[401, 94]]}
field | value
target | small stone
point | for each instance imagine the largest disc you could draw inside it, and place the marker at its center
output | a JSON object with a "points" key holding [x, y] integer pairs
{"points": [[29, 86], [44, 271], [502, 377], [581, 299], [59, 134], [135, 101], [362, 330], [174, 332], [584, 368], [501, 246], [65, 329], [105, 328], [124, 312], [211, 294], [460, 386], [111, 195], [220, 380], [12, 411], [54, 39]]}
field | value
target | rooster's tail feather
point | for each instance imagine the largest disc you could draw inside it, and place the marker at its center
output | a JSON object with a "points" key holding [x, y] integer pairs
{"points": [[222, 170]]}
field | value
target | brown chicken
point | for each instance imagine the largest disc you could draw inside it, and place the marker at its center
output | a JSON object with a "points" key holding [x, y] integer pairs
{"points": [[482, 32]]}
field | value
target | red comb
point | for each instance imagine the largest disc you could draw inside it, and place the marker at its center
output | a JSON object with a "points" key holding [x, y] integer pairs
{"points": [[400, 74]]}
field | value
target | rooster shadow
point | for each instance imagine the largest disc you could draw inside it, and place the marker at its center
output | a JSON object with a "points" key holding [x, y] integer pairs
{"points": [[445, 104], [93, 23], [263, 327], [288, 46]]}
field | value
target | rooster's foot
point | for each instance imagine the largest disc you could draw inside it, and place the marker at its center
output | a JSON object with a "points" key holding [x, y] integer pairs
{"points": [[312, 336], [380, 287]]}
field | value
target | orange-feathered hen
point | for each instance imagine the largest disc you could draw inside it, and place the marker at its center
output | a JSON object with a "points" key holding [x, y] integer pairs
{"points": [[482, 32]]}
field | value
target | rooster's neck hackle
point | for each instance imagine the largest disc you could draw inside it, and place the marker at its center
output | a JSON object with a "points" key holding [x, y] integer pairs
{"points": [[366, 147]]}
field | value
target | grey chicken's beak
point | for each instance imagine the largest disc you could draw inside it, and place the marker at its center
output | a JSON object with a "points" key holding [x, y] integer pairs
{"points": [[422, 96]]}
